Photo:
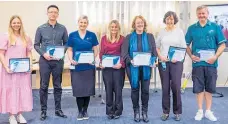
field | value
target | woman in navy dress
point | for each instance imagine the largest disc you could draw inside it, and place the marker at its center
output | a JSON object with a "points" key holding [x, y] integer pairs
{"points": [[83, 76]]}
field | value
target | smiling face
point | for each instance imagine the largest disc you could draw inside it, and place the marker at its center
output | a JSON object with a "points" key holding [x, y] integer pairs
{"points": [[202, 14], [139, 24], [16, 24], [169, 21], [114, 28], [83, 24]]}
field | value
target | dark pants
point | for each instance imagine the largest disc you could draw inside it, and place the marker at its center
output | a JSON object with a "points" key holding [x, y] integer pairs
{"points": [[145, 85], [204, 79], [171, 77], [46, 68], [83, 103], [113, 80]]}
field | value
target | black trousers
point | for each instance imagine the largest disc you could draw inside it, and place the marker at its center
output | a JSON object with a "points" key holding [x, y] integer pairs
{"points": [[171, 78], [114, 81], [46, 68], [145, 85], [83, 103]]}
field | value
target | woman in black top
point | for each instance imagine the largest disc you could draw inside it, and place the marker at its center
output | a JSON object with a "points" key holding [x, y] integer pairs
{"points": [[138, 41]]}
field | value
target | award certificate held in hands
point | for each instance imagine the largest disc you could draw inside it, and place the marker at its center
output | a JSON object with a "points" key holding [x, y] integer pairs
{"points": [[56, 51], [176, 53], [83, 57], [143, 59], [17, 65], [110, 60]]}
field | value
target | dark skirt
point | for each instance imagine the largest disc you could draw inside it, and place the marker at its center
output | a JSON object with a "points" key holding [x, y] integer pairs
{"points": [[83, 83]]}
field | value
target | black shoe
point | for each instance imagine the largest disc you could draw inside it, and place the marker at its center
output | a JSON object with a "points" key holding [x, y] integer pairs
{"points": [[60, 114], [145, 117], [80, 116], [110, 116], [136, 117], [43, 115], [164, 117], [85, 115], [177, 117]]}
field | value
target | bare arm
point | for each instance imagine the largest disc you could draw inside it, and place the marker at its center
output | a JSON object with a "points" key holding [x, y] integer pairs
{"points": [[2, 58], [29, 55], [193, 57], [70, 53], [161, 58], [95, 49], [220, 50], [189, 51], [70, 56]]}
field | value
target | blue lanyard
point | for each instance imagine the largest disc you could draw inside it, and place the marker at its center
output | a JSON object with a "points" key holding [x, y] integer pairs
{"points": [[163, 66]]}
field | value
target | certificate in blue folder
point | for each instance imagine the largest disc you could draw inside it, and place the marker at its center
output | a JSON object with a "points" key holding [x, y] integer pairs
{"points": [[176, 53], [143, 59], [56, 51], [110, 60], [84, 57], [17, 65]]}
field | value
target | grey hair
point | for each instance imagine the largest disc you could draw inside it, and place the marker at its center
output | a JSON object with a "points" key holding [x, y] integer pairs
{"points": [[83, 17], [202, 7]]}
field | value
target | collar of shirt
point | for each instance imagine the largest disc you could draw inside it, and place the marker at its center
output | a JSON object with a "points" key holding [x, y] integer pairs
{"points": [[53, 26], [207, 24]]}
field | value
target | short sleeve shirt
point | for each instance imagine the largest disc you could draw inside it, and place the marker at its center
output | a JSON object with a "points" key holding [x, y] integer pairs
{"points": [[203, 38]]}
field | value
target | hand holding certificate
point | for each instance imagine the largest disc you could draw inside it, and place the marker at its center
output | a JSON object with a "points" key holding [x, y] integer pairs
{"points": [[110, 61], [57, 52], [83, 57], [176, 54], [19, 65], [143, 59], [205, 54]]}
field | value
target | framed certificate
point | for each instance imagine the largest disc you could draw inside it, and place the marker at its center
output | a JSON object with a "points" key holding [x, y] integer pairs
{"points": [[56, 51], [176, 53], [84, 57], [204, 55], [19, 65], [143, 59], [110, 60]]}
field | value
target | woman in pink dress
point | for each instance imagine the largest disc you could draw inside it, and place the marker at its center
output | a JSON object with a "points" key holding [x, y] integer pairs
{"points": [[15, 88]]}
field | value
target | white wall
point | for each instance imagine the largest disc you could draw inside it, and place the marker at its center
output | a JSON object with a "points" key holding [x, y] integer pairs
{"points": [[34, 14]]}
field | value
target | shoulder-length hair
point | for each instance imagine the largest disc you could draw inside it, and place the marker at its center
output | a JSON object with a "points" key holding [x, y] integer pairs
{"points": [[139, 17], [108, 35]]}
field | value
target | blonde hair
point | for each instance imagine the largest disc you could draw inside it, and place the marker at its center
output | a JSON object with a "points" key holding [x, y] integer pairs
{"points": [[83, 17], [12, 38], [108, 35], [139, 17]]}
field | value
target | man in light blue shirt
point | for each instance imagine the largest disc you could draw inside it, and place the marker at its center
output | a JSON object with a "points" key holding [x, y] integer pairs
{"points": [[204, 35]]}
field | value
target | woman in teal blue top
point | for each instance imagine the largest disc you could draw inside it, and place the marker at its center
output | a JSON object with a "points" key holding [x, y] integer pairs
{"points": [[83, 76]]}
